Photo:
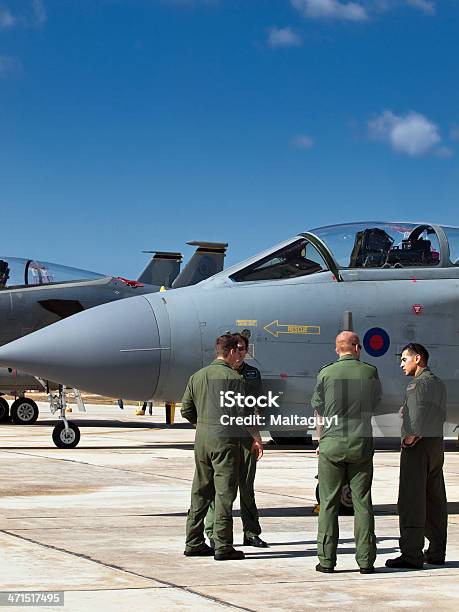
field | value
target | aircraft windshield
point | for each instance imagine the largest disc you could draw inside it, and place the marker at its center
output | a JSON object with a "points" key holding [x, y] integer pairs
{"points": [[299, 258], [381, 245], [17, 272], [452, 233]]}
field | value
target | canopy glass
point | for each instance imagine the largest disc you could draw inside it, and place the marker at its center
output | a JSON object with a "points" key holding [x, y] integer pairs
{"points": [[382, 245], [17, 272]]}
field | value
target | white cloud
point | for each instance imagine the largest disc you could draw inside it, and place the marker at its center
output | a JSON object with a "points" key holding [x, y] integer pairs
{"points": [[302, 141], [34, 16], [7, 19], [426, 6], [39, 15], [331, 9], [454, 133], [358, 10], [9, 66], [443, 152], [412, 134], [283, 37]]}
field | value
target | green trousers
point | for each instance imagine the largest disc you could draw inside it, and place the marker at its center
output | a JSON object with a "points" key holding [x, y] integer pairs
{"points": [[216, 478], [422, 505], [249, 511], [341, 462]]}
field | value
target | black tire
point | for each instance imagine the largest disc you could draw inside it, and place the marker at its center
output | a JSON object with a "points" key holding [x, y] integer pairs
{"points": [[286, 440], [24, 411], [4, 411], [66, 438], [346, 507]]}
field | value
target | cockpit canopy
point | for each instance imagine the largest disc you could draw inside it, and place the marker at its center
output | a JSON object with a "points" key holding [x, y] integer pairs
{"points": [[381, 245], [356, 246], [18, 272]]}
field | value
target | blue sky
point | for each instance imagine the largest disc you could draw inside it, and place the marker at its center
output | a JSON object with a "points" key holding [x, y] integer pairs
{"points": [[141, 124]]}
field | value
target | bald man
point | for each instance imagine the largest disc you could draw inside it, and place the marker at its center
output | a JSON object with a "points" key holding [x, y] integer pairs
{"points": [[348, 390]]}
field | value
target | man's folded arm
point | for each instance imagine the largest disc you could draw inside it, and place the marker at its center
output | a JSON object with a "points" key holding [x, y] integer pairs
{"points": [[188, 410]]}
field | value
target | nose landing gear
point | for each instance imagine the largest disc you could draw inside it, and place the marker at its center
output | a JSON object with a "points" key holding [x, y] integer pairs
{"points": [[65, 434]]}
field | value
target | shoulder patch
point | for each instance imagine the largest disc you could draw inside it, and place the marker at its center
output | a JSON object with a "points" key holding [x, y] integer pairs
{"points": [[250, 371]]}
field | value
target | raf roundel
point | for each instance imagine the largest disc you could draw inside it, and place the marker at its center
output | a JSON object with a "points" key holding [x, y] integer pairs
{"points": [[376, 342]]}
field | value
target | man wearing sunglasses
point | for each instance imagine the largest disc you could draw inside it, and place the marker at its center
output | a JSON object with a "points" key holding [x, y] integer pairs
{"points": [[251, 451], [422, 505], [348, 390]]}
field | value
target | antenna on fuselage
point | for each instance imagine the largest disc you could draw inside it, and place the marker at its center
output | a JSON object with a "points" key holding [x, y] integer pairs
{"points": [[347, 321]]}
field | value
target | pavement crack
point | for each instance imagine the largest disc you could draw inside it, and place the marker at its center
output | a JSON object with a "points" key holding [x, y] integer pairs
{"points": [[118, 568]]}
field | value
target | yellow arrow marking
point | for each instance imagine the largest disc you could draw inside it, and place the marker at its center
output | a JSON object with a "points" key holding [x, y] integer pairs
{"points": [[275, 328]]}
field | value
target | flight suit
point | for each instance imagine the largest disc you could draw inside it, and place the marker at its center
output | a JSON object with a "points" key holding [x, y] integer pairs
{"points": [[348, 390], [422, 504], [216, 455], [247, 465]]}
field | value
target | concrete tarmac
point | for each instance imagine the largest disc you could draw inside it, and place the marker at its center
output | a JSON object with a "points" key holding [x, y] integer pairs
{"points": [[105, 523]]}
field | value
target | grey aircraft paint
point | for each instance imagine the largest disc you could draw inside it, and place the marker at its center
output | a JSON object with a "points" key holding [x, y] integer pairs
{"points": [[36, 294], [394, 283]]}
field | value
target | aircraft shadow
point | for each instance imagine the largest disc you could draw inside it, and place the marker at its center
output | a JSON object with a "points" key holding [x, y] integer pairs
{"points": [[379, 510], [112, 447], [380, 444], [391, 509], [286, 511], [83, 422]]}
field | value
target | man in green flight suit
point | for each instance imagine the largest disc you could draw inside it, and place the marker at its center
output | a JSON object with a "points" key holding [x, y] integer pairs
{"points": [[349, 391], [216, 450], [247, 461], [422, 505]]}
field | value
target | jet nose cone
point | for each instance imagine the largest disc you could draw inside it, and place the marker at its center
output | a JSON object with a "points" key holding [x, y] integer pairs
{"points": [[112, 349]]}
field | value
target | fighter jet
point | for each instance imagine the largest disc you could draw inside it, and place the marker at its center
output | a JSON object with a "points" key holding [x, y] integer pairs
{"points": [[35, 294], [390, 282]]}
